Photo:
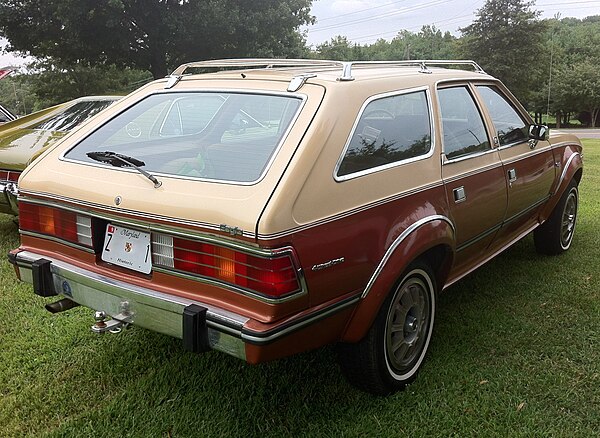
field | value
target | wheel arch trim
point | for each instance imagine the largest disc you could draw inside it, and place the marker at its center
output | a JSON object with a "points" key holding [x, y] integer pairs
{"points": [[398, 241]]}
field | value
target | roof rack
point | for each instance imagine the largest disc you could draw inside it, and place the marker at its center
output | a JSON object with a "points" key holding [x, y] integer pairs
{"points": [[346, 67]]}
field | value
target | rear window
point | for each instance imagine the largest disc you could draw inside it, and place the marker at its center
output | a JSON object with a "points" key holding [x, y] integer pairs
{"points": [[227, 137], [74, 115]]}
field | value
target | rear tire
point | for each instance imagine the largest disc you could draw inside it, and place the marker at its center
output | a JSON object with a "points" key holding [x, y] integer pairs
{"points": [[390, 355], [555, 235]]}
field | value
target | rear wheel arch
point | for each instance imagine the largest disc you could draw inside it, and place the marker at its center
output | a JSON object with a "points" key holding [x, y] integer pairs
{"points": [[431, 244]]}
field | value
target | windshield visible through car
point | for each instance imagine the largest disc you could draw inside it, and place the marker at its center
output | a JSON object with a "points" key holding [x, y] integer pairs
{"points": [[73, 115], [227, 137]]}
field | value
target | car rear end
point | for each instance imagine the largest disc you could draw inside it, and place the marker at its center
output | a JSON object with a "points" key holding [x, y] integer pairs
{"points": [[149, 215]]}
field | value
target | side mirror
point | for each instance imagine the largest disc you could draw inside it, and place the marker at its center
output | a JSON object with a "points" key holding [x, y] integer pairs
{"points": [[538, 132]]}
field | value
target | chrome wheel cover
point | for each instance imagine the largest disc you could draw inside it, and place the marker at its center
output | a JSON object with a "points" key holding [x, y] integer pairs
{"points": [[569, 216], [408, 325]]}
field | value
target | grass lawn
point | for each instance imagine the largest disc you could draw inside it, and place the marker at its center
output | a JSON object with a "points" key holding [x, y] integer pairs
{"points": [[515, 352]]}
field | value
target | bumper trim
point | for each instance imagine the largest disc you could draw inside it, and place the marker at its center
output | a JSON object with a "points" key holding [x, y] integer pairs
{"points": [[165, 313], [152, 310]]}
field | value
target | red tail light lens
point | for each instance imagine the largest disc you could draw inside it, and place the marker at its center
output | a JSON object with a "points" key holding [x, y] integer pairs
{"points": [[9, 175], [273, 276], [63, 224]]}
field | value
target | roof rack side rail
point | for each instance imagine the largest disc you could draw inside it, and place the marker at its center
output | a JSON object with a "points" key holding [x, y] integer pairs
{"points": [[422, 63], [255, 62]]}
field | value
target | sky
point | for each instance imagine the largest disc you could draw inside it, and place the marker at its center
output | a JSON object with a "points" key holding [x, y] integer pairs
{"points": [[365, 21]]}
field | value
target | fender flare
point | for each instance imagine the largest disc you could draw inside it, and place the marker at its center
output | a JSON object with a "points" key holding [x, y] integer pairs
{"points": [[425, 234], [573, 165]]}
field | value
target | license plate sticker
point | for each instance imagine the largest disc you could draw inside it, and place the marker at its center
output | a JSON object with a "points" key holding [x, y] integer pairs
{"points": [[128, 248]]}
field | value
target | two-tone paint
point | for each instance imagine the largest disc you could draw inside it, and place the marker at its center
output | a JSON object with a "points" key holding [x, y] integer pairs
{"points": [[361, 233]]}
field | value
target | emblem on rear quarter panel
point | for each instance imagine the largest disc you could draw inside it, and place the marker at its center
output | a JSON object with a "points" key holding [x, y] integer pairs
{"points": [[328, 264], [118, 200]]}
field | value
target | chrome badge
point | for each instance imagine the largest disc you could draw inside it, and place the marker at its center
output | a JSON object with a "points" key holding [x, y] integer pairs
{"points": [[118, 200]]}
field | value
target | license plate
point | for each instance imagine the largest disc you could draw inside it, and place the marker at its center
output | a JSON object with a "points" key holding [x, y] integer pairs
{"points": [[128, 248]]}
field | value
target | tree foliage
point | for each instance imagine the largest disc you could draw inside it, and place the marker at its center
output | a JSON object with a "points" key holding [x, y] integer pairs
{"points": [[153, 35], [506, 39], [428, 43]]}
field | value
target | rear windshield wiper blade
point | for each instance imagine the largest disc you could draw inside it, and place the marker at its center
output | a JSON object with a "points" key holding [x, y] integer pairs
{"points": [[119, 160]]}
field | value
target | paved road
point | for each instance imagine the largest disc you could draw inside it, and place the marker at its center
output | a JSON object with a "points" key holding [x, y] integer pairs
{"points": [[583, 133]]}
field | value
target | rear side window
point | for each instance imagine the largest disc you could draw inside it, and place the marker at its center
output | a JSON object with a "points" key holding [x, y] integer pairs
{"points": [[510, 126], [229, 137], [464, 131], [390, 130], [74, 115]]}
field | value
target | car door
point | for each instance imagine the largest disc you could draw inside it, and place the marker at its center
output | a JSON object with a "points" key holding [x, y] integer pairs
{"points": [[472, 173], [528, 166]]}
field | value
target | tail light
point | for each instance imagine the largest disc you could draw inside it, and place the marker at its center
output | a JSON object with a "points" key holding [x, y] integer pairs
{"points": [[54, 222], [9, 175], [272, 275]]}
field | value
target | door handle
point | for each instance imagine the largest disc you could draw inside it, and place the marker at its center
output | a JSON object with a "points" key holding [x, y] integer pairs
{"points": [[512, 177], [460, 195]]}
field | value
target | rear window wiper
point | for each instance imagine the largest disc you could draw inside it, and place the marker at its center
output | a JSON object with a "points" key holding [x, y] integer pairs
{"points": [[119, 160]]}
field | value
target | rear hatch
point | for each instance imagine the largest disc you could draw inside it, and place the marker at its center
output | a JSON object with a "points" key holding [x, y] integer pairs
{"points": [[214, 156]]}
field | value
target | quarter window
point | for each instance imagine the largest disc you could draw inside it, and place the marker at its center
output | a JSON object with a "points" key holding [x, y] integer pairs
{"points": [[510, 126], [390, 130], [464, 131]]}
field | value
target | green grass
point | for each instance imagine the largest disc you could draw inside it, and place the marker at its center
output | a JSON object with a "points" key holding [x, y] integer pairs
{"points": [[515, 352]]}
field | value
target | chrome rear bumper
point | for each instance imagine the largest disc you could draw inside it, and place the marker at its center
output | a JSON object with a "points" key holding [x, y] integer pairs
{"points": [[168, 314], [8, 198]]}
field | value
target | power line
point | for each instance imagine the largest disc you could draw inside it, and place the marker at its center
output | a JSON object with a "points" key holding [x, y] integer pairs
{"points": [[374, 17], [362, 10]]}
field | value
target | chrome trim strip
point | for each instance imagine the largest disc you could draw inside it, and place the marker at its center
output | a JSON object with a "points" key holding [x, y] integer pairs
{"points": [[473, 172], [56, 239], [526, 210], [55, 200], [219, 318], [495, 228], [491, 256], [302, 97], [527, 156], [565, 169], [447, 160], [239, 246], [479, 237], [396, 163], [351, 212], [268, 336], [398, 241], [205, 280]]}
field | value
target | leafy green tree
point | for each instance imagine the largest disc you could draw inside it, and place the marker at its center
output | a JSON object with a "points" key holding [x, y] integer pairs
{"points": [[577, 89], [16, 94], [153, 35], [507, 40], [54, 83], [339, 49]]}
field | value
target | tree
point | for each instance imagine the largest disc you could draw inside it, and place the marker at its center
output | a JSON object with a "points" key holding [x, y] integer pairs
{"points": [[506, 39], [54, 83], [577, 88], [153, 35]]}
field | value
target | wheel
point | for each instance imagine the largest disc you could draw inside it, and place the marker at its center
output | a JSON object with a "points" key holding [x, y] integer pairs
{"points": [[556, 234], [390, 355]]}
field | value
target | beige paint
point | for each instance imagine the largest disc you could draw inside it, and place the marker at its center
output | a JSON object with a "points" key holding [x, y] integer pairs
{"points": [[307, 191]]}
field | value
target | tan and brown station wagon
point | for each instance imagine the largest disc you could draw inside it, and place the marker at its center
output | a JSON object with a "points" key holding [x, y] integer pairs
{"points": [[267, 207]]}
